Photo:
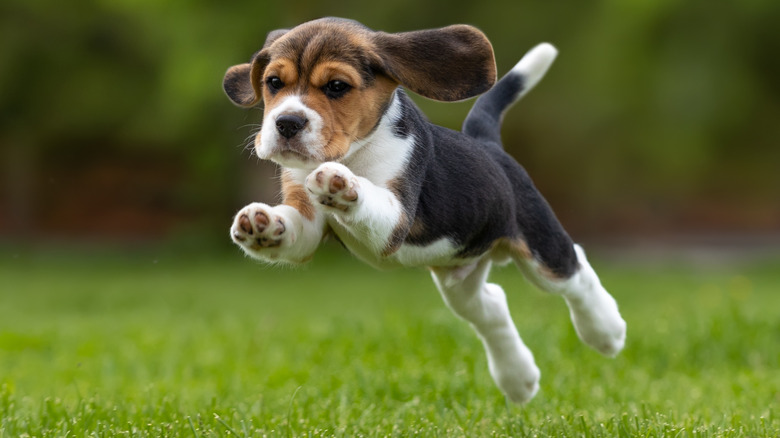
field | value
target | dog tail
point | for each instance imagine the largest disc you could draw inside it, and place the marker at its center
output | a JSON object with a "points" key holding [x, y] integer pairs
{"points": [[484, 119]]}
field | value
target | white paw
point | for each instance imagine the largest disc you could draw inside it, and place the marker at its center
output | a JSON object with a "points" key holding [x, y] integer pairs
{"points": [[333, 185], [257, 227], [593, 311], [511, 363], [519, 383], [600, 325]]}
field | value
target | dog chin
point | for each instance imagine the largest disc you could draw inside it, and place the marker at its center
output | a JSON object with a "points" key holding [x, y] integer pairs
{"points": [[294, 160], [286, 157]]}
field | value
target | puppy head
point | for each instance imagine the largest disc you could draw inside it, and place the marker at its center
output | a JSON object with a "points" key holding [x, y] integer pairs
{"points": [[326, 83]]}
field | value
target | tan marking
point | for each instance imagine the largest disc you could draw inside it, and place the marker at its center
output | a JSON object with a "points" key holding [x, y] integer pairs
{"points": [[398, 236], [285, 70], [417, 229], [325, 72], [545, 272], [401, 230], [295, 196], [350, 117], [517, 248], [395, 185]]}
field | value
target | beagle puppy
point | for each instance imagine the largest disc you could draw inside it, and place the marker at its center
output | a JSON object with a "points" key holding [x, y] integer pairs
{"points": [[360, 161]]}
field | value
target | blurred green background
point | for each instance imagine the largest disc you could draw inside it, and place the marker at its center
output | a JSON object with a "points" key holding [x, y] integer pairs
{"points": [[660, 118], [659, 124]]}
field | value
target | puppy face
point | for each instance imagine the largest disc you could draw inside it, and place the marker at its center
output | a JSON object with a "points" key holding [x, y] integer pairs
{"points": [[326, 83], [322, 90]]}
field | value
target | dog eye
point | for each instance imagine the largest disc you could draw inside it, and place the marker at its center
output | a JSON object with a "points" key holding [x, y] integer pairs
{"points": [[274, 83], [335, 89]]}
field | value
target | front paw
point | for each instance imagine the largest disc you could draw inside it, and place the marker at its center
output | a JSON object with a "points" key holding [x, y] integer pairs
{"points": [[333, 185], [257, 227]]}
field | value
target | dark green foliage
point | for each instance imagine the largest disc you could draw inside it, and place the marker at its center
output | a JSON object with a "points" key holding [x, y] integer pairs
{"points": [[662, 110]]}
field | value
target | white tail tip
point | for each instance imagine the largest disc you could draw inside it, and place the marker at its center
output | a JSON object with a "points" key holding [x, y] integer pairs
{"points": [[535, 64]]}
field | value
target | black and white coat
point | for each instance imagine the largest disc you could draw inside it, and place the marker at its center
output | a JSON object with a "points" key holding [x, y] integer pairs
{"points": [[398, 191]]}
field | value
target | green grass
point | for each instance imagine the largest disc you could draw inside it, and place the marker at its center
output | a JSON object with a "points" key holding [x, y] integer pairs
{"points": [[199, 346]]}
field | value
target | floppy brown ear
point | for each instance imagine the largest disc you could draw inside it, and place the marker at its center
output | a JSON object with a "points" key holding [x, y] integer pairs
{"points": [[239, 84], [449, 64], [243, 83]]}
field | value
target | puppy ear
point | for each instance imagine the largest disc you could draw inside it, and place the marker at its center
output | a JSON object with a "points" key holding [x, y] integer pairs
{"points": [[243, 83], [448, 64], [239, 82]]}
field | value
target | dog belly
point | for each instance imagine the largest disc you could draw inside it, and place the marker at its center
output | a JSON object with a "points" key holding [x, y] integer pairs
{"points": [[438, 253]]}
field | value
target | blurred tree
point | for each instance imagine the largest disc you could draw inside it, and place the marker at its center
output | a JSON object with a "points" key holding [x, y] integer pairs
{"points": [[656, 111]]}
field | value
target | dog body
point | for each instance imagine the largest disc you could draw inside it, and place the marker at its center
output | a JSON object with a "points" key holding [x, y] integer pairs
{"points": [[360, 160]]}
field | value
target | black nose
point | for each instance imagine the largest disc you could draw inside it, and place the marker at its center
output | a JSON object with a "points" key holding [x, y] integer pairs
{"points": [[289, 124]]}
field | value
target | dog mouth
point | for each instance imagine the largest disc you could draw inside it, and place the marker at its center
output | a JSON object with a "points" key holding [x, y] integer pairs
{"points": [[296, 153], [293, 156]]}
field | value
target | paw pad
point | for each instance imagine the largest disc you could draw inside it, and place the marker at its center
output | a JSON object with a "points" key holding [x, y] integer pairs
{"points": [[334, 186], [257, 227]]}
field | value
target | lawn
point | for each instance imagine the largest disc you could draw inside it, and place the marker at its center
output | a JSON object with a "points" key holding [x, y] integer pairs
{"points": [[165, 344]]}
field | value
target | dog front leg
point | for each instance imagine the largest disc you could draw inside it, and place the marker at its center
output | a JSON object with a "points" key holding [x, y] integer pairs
{"points": [[277, 234], [369, 212]]}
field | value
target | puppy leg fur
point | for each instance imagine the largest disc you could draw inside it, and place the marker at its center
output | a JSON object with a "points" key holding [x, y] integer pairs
{"points": [[593, 311], [369, 213], [482, 304], [280, 234]]}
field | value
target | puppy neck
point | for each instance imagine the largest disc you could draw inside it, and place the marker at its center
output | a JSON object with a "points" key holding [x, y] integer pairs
{"points": [[384, 153]]}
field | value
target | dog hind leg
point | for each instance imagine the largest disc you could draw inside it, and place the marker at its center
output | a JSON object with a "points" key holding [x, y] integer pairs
{"points": [[484, 306], [593, 311]]}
